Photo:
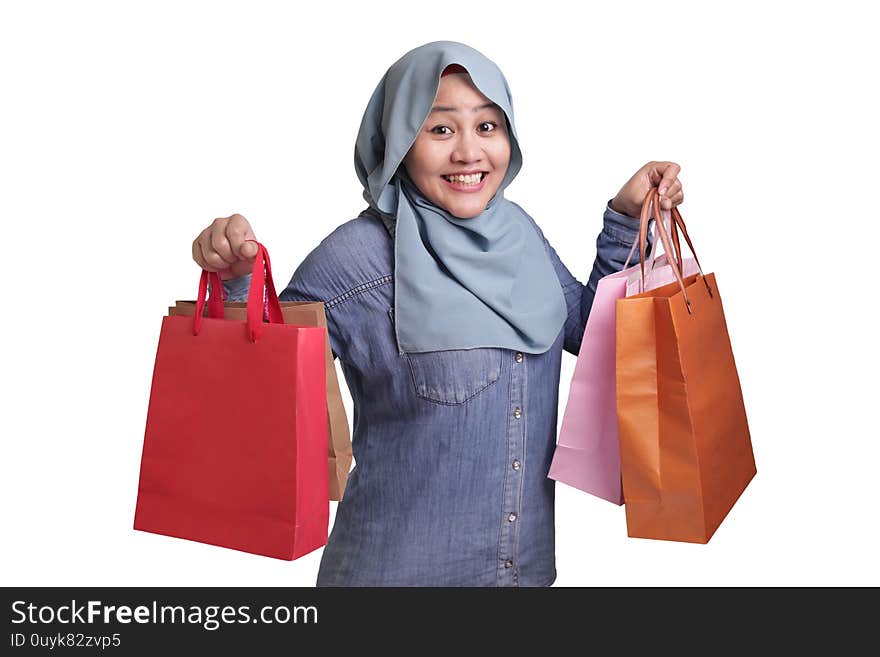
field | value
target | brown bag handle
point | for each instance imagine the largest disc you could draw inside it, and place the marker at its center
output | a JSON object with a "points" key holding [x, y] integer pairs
{"points": [[644, 219], [676, 215], [667, 246], [670, 245], [673, 257]]}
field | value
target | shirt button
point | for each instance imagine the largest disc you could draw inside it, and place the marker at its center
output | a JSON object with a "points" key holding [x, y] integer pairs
{"points": [[517, 413], [508, 563], [519, 357], [511, 517], [516, 464]]}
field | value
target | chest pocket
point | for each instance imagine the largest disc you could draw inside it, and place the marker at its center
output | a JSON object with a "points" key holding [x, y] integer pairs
{"points": [[453, 376]]}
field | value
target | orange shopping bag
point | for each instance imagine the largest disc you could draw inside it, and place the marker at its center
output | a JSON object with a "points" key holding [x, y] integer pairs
{"points": [[685, 449]]}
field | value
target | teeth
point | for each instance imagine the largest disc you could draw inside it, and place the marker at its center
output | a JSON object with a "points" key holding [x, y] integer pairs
{"points": [[468, 180]]}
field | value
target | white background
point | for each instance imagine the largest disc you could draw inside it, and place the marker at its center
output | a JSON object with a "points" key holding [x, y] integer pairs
{"points": [[128, 127]]}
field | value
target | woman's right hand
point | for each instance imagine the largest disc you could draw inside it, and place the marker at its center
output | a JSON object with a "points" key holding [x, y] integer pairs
{"points": [[222, 248]]}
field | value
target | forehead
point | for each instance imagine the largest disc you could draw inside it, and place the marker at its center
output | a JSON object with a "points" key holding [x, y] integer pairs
{"points": [[458, 90]]}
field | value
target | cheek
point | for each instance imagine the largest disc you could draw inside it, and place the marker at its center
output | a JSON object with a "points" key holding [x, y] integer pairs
{"points": [[501, 160], [507, 150], [501, 154], [423, 160]]}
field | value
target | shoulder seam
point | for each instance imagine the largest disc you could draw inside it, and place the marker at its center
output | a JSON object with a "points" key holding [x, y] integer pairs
{"points": [[359, 289]]}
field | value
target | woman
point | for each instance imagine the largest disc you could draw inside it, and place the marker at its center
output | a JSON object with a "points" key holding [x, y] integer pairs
{"points": [[449, 312]]}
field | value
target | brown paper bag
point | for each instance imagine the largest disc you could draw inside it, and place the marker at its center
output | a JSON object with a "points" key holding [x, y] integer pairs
{"points": [[306, 313]]}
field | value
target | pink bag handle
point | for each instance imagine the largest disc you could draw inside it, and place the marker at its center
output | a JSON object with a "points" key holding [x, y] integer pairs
{"points": [[262, 302]]}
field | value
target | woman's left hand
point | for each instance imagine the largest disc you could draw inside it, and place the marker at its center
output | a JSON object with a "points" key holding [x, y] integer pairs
{"points": [[663, 175]]}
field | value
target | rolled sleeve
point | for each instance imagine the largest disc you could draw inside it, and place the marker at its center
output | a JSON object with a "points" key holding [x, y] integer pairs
{"points": [[622, 228], [237, 288]]}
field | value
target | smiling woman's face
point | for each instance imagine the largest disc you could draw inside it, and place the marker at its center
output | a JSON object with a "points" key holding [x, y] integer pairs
{"points": [[464, 133]]}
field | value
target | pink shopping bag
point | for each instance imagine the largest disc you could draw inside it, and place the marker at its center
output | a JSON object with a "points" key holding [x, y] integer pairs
{"points": [[587, 454]]}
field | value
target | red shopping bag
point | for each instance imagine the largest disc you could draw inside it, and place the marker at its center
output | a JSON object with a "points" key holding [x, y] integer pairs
{"points": [[235, 447]]}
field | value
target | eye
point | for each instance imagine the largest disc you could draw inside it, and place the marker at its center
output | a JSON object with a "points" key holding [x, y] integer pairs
{"points": [[494, 126], [440, 127]]}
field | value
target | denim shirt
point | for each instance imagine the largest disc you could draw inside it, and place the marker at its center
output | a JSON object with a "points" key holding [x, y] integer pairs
{"points": [[451, 448]]}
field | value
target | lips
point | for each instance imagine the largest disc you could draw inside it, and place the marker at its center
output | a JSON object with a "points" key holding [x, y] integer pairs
{"points": [[461, 187]]}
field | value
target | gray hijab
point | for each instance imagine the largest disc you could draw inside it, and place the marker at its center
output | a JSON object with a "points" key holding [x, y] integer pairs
{"points": [[459, 283]]}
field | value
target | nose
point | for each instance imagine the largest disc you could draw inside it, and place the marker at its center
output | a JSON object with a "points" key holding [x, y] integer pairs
{"points": [[467, 148]]}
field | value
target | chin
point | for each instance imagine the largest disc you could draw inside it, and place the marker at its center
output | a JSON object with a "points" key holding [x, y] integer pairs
{"points": [[466, 211]]}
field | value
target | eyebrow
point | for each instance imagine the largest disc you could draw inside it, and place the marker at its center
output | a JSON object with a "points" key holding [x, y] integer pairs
{"points": [[443, 108]]}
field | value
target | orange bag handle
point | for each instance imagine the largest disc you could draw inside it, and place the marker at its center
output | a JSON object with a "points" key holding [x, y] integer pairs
{"points": [[676, 215], [673, 261], [668, 242]]}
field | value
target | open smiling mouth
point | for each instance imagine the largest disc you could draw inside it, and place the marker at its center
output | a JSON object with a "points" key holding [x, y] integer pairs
{"points": [[470, 183]]}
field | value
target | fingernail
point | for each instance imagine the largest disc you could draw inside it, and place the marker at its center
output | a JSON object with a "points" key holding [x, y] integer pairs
{"points": [[662, 191]]}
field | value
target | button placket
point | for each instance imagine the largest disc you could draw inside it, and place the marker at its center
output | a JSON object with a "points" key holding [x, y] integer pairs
{"points": [[513, 480]]}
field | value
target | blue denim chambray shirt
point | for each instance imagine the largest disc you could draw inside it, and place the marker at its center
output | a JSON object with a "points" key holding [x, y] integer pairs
{"points": [[451, 448]]}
